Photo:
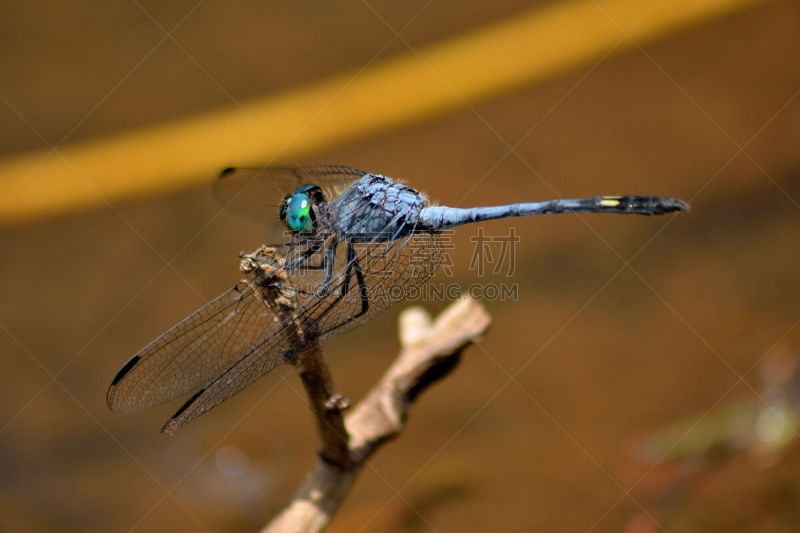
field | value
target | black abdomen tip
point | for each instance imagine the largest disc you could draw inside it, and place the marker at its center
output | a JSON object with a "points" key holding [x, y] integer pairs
{"points": [[645, 205], [671, 205]]}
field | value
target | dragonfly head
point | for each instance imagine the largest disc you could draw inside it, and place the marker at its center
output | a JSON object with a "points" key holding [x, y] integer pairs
{"points": [[297, 209]]}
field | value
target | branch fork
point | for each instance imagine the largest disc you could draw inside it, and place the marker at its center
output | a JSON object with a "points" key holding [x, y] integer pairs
{"points": [[429, 352]]}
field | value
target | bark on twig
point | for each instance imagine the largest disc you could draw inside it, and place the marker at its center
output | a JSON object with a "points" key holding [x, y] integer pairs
{"points": [[429, 352], [327, 407]]}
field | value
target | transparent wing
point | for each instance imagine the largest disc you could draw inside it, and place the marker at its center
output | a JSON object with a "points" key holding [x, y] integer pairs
{"points": [[369, 278], [192, 352], [256, 193], [392, 272]]}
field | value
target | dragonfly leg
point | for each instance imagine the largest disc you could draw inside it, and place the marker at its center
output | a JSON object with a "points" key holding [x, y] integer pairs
{"points": [[352, 266], [348, 272], [362, 286], [294, 265], [304, 258], [293, 289], [327, 263], [321, 264]]}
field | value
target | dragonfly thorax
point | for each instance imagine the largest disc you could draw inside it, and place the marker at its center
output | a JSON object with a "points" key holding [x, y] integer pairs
{"points": [[297, 211]]}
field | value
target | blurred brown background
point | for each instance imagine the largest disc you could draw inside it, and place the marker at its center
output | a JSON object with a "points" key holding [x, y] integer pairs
{"points": [[624, 326]]}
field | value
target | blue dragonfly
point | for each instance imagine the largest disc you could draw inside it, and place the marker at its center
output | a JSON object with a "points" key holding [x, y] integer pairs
{"points": [[353, 241]]}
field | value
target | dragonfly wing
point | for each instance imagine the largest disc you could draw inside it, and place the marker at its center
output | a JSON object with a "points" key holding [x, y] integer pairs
{"points": [[193, 351], [368, 280], [321, 174], [259, 360], [392, 271], [256, 193]]}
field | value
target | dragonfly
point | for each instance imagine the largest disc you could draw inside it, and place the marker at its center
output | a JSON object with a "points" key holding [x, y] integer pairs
{"points": [[353, 244]]}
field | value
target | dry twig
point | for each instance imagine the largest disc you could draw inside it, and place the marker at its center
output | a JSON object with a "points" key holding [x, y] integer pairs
{"points": [[429, 352]]}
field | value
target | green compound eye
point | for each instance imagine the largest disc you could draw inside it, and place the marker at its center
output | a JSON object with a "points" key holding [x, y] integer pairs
{"points": [[298, 213]]}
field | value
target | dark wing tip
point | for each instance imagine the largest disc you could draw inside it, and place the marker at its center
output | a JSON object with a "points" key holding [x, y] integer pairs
{"points": [[174, 423], [126, 368], [227, 171]]}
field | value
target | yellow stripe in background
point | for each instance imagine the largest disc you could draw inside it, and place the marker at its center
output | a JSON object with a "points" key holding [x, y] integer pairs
{"points": [[478, 65]]}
